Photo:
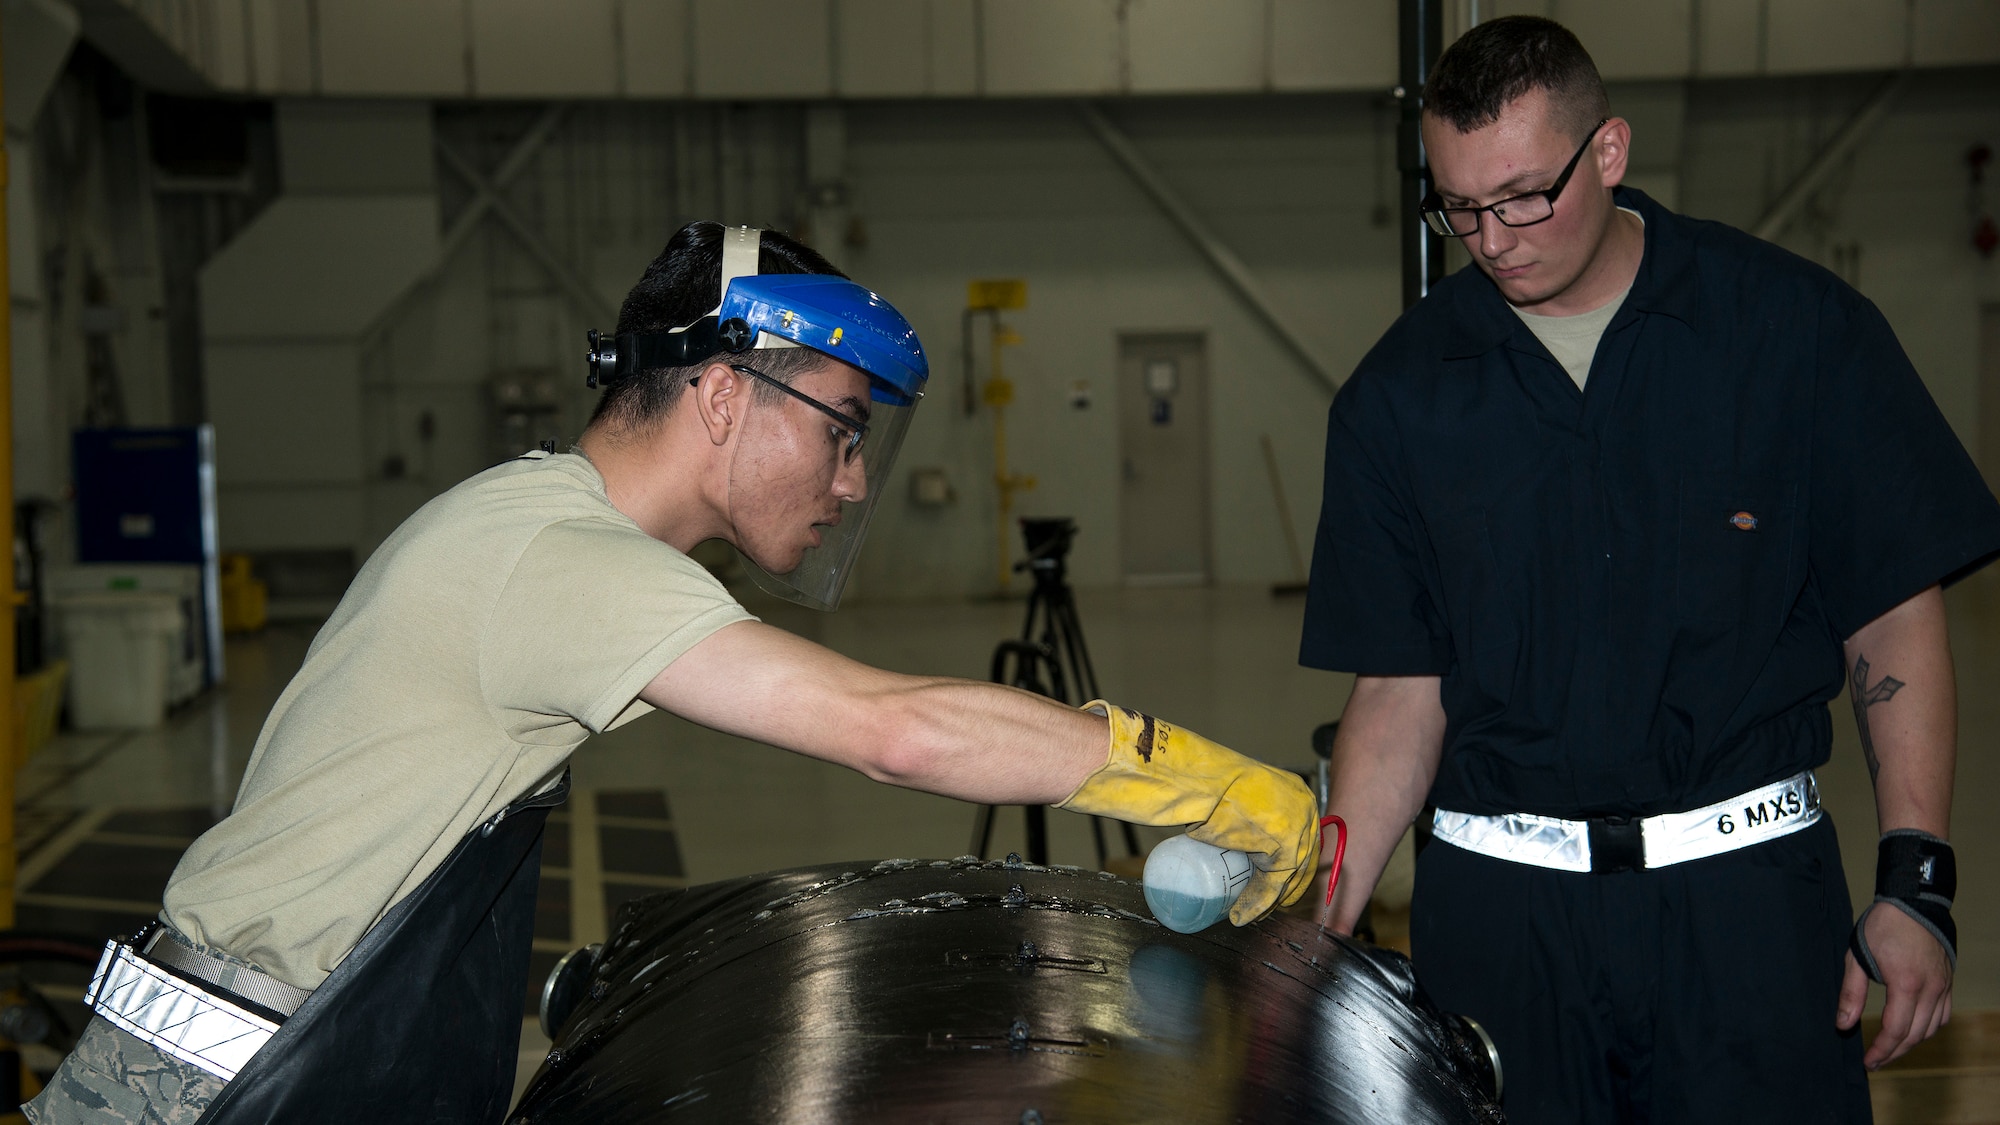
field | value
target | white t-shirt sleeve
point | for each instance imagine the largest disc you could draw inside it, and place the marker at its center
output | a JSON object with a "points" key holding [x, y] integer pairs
{"points": [[592, 612]]}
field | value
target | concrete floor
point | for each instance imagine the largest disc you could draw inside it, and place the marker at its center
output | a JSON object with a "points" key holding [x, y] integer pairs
{"points": [[1218, 660]]}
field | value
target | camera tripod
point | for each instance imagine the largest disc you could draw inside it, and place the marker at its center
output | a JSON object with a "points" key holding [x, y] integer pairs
{"points": [[1050, 659]]}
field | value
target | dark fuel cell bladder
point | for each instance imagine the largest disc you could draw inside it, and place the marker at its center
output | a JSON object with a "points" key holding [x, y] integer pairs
{"points": [[961, 990]]}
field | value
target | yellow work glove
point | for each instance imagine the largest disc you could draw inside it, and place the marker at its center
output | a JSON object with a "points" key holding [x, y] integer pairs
{"points": [[1161, 774]]}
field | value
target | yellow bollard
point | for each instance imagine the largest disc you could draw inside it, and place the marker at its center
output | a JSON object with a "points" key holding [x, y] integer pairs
{"points": [[245, 601]]}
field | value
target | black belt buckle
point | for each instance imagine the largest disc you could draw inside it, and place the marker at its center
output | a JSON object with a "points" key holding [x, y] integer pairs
{"points": [[1616, 844]]}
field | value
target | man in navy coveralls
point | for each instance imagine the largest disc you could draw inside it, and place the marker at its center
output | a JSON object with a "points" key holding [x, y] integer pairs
{"points": [[1609, 520]]}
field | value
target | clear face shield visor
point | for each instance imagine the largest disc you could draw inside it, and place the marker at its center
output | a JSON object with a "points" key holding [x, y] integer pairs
{"points": [[822, 574], [830, 315]]}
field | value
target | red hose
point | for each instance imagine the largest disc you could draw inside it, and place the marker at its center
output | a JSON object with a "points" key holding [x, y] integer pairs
{"points": [[1339, 851]]}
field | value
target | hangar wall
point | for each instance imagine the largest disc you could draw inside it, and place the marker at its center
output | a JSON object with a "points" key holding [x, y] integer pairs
{"points": [[377, 362], [941, 192], [285, 309], [1291, 186], [1896, 220], [88, 334], [791, 49]]}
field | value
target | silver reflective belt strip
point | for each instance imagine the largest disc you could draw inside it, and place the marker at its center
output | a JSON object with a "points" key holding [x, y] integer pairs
{"points": [[176, 1017], [1544, 841], [1775, 810], [1778, 809]]}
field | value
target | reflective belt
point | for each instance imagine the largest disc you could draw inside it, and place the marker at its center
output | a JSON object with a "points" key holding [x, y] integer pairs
{"points": [[1625, 844], [196, 1026]]}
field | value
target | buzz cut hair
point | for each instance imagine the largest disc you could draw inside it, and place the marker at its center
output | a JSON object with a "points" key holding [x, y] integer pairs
{"points": [[1498, 61], [681, 286]]}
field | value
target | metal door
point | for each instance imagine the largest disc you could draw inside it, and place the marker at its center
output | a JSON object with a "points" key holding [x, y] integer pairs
{"points": [[1163, 454]]}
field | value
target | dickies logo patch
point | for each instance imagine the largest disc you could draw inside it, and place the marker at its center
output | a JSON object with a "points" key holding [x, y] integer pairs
{"points": [[1743, 521]]}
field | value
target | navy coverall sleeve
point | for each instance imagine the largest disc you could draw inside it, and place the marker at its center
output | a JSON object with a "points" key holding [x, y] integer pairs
{"points": [[1368, 609], [1897, 504]]}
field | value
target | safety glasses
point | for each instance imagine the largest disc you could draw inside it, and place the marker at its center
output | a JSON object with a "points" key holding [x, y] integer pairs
{"points": [[850, 433], [1514, 211]]}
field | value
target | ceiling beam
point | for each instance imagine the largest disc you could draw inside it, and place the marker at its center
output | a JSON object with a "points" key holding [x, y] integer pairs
{"points": [[588, 300], [1219, 255], [1838, 148]]}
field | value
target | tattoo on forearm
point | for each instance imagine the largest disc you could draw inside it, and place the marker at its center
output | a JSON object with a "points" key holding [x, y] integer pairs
{"points": [[1865, 696]]}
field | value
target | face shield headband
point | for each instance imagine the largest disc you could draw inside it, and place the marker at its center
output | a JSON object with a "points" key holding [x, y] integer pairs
{"points": [[831, 315]]}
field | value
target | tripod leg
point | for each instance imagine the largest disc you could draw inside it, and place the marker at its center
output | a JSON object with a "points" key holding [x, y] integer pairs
{"points": [[1081, 669], [982, 830], [1038, 834], [1097, 837], [1036, 604]]}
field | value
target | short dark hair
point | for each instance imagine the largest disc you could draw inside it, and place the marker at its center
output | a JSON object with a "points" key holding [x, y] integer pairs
{"points": [[1502, 59], [680, 286]]}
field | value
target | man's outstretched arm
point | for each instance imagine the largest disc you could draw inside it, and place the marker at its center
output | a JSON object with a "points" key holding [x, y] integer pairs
{"points": [[997, 745], [1905, 700], [1384, 760], [959, 738]]}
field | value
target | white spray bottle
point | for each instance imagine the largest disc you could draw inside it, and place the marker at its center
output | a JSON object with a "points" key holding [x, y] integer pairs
{"points": [[1190, 885]]}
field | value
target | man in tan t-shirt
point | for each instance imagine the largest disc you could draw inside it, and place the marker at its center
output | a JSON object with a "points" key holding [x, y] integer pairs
{"points": [[754, 396]]}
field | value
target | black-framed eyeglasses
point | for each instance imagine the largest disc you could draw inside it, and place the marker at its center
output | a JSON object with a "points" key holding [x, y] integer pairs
{"points": [[849, 434], [1514, 211]]}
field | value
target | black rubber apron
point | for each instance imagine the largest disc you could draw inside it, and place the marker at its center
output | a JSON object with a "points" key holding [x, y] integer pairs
{"points": [[422, 1021]]}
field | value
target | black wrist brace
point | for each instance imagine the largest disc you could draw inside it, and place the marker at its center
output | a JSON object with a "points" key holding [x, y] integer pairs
{"points": [[1916, 873]]}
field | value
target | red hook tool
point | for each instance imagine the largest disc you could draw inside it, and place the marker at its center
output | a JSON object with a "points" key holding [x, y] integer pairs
{"points": [[1339, 851]]}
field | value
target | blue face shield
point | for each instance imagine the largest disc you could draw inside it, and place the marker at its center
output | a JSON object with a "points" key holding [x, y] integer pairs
{"points": [[830, 315]]}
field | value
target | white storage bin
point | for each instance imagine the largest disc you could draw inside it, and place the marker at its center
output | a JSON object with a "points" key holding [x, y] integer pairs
{"points": [[187, 664], [120, 649]]}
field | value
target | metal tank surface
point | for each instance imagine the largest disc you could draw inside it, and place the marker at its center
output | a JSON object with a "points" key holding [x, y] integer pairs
{"points": [[1004, 992]]}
